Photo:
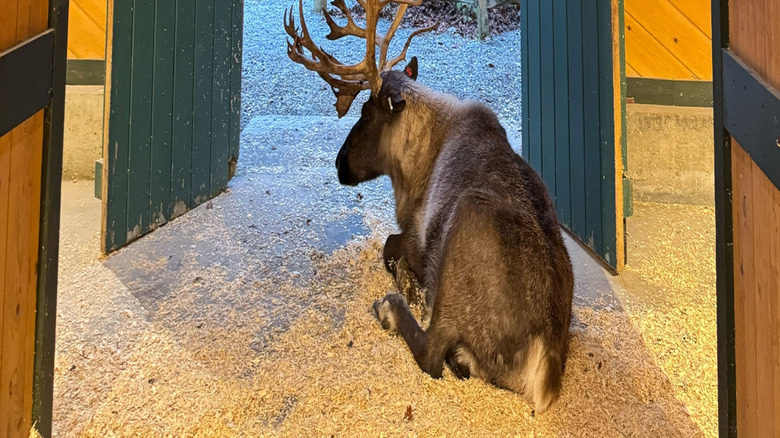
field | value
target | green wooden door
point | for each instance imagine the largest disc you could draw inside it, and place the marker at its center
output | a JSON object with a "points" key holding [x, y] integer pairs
{"points": [[173, 119], [572, 98]]}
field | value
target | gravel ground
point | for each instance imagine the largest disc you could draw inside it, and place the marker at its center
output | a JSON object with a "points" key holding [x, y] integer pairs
{"points": [[488, 71]]}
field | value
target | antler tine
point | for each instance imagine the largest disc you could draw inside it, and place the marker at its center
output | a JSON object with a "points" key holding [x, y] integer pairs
{"points": [[337, 31], [321, 61], [402, 6], [385, 41], [402, 55]]}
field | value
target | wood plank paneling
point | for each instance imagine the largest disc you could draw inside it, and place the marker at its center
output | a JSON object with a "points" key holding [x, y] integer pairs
{"points": [[648, 57], [220, 99], [698, 12], [669, 39], [5, 181], [631, 71], [547, 150], [741, 175], [619, 146], [204, 80], [7, 39], [160, 207], [524, 72], [607, 141], [87, 29], [182, 108], [576, 118], [774, 255], [562, 144], [756, 211], [755, 36], [592, 164], [139, 160], [117, 114], [35, 165], [763, 293], [235, 83], [744, 278], [534, 61], [19, 289]]}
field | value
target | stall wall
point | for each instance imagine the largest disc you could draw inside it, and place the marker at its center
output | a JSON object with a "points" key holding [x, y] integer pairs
{"points": [[668, 39], [87, 29]]}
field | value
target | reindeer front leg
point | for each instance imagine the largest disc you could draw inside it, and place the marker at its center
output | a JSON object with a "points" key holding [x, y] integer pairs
{"points": [[397, 263], [428, 349]]}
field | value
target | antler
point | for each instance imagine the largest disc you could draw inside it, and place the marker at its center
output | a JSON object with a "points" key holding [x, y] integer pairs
{"points": [[347, 81]]}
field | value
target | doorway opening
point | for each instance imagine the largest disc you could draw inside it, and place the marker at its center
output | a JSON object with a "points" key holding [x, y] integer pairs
{"points": [[251, 311], [670, 232]]}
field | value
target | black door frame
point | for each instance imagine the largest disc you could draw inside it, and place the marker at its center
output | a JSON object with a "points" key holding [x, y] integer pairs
{"points": [[50, 221], [49, 240], [724, 236]]}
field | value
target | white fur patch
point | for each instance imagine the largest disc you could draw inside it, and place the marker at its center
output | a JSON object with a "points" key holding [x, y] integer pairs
{"points": [[534, 376]]}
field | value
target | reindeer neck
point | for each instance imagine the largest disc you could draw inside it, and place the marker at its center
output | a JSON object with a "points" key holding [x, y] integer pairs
{"points": [[427, 127]]}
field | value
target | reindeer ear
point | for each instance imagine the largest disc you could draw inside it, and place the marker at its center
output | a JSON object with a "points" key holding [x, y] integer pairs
{"points": [[411, 68]]}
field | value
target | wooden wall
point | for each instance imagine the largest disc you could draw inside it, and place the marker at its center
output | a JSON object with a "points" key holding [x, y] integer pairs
{"points": [[668, 39], [755, 37], [21, 152], [87, 29]]}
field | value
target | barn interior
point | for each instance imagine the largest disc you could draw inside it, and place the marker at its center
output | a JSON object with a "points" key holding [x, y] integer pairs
{"points": [[250, 315]]}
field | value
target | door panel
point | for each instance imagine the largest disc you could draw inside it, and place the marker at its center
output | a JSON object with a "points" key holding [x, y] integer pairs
{"points": [[755, 38], [572, 98], [21, 152], [32, 61], [747, 84], [173, 122]]}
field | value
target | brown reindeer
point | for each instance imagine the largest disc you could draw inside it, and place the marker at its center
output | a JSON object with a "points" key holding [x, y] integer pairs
{"points": [[478, 228]]}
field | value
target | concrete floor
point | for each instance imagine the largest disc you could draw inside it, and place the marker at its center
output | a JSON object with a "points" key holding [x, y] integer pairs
{"points": [[196, 299]]}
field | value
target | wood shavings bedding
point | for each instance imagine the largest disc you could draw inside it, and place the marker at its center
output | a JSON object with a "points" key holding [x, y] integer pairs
{"points": [[329, 374]]}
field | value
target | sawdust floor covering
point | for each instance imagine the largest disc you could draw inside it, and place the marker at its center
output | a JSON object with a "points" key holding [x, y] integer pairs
{"points": [[647, 370]]}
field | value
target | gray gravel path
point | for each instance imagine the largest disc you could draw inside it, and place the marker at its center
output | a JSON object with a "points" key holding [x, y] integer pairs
{"points": [[274, 85]]}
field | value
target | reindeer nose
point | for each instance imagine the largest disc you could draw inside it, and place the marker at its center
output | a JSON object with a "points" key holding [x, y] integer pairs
{"points": [[338, 161]]}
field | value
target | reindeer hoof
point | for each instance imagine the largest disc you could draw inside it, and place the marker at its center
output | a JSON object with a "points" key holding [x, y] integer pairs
{"points": [[385, 311]]}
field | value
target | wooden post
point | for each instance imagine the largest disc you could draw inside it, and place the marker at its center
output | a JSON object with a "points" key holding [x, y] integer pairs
{"points": [[483, 25], [319, 5]]}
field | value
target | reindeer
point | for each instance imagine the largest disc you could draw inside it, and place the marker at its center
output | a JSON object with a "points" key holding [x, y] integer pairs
{"points": [[478, 229]]}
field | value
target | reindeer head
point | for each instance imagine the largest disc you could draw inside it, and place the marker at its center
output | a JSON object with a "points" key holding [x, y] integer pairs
{"points": [[369, 144], [347, 81], [360, 158]]}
